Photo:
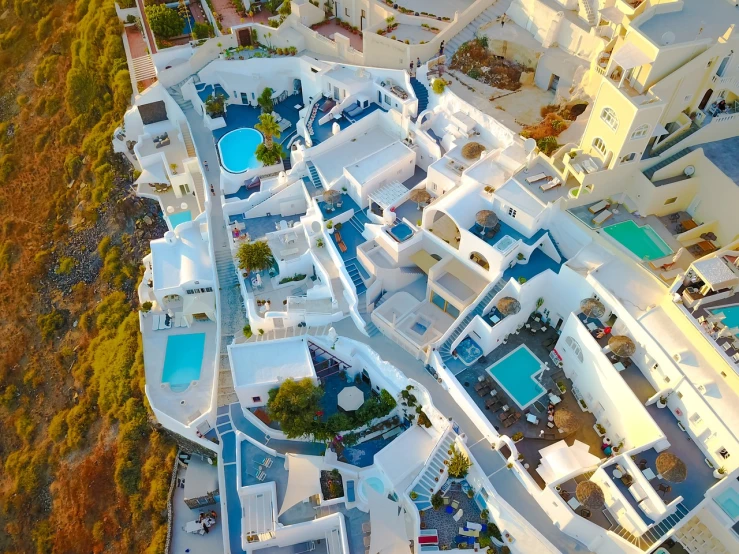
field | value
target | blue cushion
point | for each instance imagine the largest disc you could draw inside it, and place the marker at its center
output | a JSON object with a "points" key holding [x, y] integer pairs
{"points": [[449, 509]]}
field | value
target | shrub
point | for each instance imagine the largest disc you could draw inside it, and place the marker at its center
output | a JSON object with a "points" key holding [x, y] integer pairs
{"points": [[247, 331], [66, 265], [474, 73], [164, 22], [202, 30], [459, 463], [437, 501], [49, 324], [438, 86]]}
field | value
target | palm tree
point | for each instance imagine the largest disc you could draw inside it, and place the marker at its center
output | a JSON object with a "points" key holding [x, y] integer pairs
{"points": [[255, 256], [265, 100], [268, 127], [184, 12]]}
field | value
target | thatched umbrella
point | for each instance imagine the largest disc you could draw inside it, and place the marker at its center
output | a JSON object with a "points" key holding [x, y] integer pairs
{"points": [[590, 495], [671, 468], [472, 150], [622, 346], [508, 306], [486, 218], [592, 307], [420, 196], [566, 420], [331, 196]]}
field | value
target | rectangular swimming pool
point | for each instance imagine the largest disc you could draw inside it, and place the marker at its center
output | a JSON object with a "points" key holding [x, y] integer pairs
{"points": [[183, 360], [643, 242], [515, 373], [179, 217], [731, 313], [401, 232]]}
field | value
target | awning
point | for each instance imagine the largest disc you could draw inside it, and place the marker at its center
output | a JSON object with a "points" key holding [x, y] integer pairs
{"points": [[612, 14], [153, 174], [659, 130], [350, 399], [203, 303], [389, 534], [424, 260], [716, 273], [630, 56], [389, 195], [303, 479], [559, 461]]}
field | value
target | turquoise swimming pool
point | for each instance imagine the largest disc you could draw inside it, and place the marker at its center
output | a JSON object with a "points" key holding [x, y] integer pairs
{"points": [[643, 242], [238, 150], [179, 217], [183, 360], [731, 313], [401, 232], [729, 502], [515, 373]]}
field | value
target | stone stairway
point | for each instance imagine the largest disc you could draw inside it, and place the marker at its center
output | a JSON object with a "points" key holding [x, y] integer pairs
{"points": [[658, 149], [187, 139], [469, 32], [233, 320], [353, 270], [411, 270], [446, 349], [369, 327], [359, 220], [197, 178], [427, 484], [587, 6], [422, 94], [658, 530], [649, 173], [314, 176], [175, 91], [143, 68]]}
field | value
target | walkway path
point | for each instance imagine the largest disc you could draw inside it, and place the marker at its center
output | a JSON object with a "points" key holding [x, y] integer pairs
{"points": [[491, 462], [232, 310]]}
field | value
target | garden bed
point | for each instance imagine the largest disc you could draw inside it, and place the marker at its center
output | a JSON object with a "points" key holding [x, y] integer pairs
{"points": [[332, 484], [477, 62], [555, 119]]}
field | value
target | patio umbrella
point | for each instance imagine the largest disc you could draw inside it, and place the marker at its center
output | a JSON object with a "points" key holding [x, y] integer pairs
{"points": [[420, 196], [508, 306], [566, 420], [331, 196], [590, 495], [622, 346], [350, 399], [592, 307], [472, 150], [708, 236], [671, 468], [486, 218]]}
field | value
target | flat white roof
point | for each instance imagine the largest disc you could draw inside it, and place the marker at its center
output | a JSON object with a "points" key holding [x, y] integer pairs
{"points": [[270, 362], [515, 195], [180, 257], [716, 272], [697, 20], [365, 168], [347, 152]]}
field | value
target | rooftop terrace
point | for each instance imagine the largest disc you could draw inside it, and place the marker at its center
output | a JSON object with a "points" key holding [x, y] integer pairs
{"points": [[698, 20]]}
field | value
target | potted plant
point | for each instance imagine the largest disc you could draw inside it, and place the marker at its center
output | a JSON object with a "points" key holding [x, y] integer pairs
{"points": [[662, 402], [517, 436], [330, 226], [146, 307], [173, 167], [337, 226], [414, 495], [719, 473], [484, 514], [520, 257], [561, 386], [319, 242], [599, 429]]}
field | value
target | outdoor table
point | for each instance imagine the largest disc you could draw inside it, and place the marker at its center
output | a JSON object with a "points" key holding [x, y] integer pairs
{"points": [[574, 503], [689, 224], [531, 418], [619, 366], [474, 526], [506, 407], [592, 326], [554, 399], [649, 474], [480, 378], [495, 319], [617, 474], [298, 107]]}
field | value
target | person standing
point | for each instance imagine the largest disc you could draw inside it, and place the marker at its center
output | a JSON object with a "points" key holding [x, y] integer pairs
{"points": [[441, 48], [418, 62], [212, 189], [411, 68], [205, 163]]}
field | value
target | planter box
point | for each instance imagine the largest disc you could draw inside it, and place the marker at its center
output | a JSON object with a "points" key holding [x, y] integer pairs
{"points": [[597, 432]]}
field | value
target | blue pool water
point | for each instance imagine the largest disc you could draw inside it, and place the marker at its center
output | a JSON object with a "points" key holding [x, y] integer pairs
{"points": [[363, 455], [643, 241], [180, 217], [731, 313], [400, 232], [419, 328], [515, 374], [468, 351], [183, 360], [729, 502], [238, 150], [374, 482]]}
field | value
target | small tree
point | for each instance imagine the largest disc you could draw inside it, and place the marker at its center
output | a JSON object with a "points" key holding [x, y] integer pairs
{"points": [[295, 405], [437, 501], [255, 256], [215, 106], [146, 307], [459, 463], [269, 156], [184, 13], [201, 30], [164, 22], [438, 86], [265, 100]]}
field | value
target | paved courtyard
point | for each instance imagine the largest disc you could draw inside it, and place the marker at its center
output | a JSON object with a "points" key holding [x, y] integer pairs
{"points": [[443, 521]]}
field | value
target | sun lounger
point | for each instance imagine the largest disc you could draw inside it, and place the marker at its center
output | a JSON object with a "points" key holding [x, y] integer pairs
{"points": [[350, 492], [665, 261], [553, 184], [534, 178], [602, 217], [492, 404], [599, 207], [590, 166], [337, 236], [577, 167], [458, 515], [155, 322], [483, 391], [735, 357], [354, 111], [284, 125], [481, 385], [267, 462], [669, 276], [327, 105], [342, 247], [726, 346], [261, 475]]}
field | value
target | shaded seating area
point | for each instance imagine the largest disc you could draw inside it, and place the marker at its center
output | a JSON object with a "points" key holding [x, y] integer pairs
{"points": [[325, 363]]}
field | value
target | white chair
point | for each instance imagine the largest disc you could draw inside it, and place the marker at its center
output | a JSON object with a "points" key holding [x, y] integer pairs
{"points": [[554, 183], [155, 322]]}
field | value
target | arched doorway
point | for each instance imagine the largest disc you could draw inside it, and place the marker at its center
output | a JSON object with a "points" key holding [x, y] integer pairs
{"points": [[445, 228], [705, 99], [480, 260]]}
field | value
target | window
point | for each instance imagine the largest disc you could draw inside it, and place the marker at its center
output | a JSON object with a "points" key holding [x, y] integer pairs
{"points": [[346, 12], [609, 116], [671, 200], [628, 158], [576, 350], [640, 132], [599, 145], [512, 212], [256, 398]]}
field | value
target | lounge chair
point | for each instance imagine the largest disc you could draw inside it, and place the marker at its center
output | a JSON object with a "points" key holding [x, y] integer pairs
{"points": [[602, 217], [155, 322], [598, 207], [350, 494], [553, 184], [735, 357], [328, 105], [480, 385], [484, 391], [666, 261], [455, 504], [577, 167], [342, 247], [493, 404], [535, 178], [284, 125], [669, 276], [354, 111], [261, 475]]}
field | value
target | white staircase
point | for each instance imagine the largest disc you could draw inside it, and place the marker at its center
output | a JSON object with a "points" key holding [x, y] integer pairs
{"points": [[143, 68], [587, 6], [431, 477], [469, 32]]}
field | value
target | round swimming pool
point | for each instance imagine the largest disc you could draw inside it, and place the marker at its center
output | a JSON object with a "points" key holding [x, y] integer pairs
{"points": [[238, 150], [374, 482]]}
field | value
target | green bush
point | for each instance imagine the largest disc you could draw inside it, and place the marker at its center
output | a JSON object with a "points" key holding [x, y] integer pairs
{"points": [[66, 265], [202, 30], [49, 324], [438, 86], [165, 23]]}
